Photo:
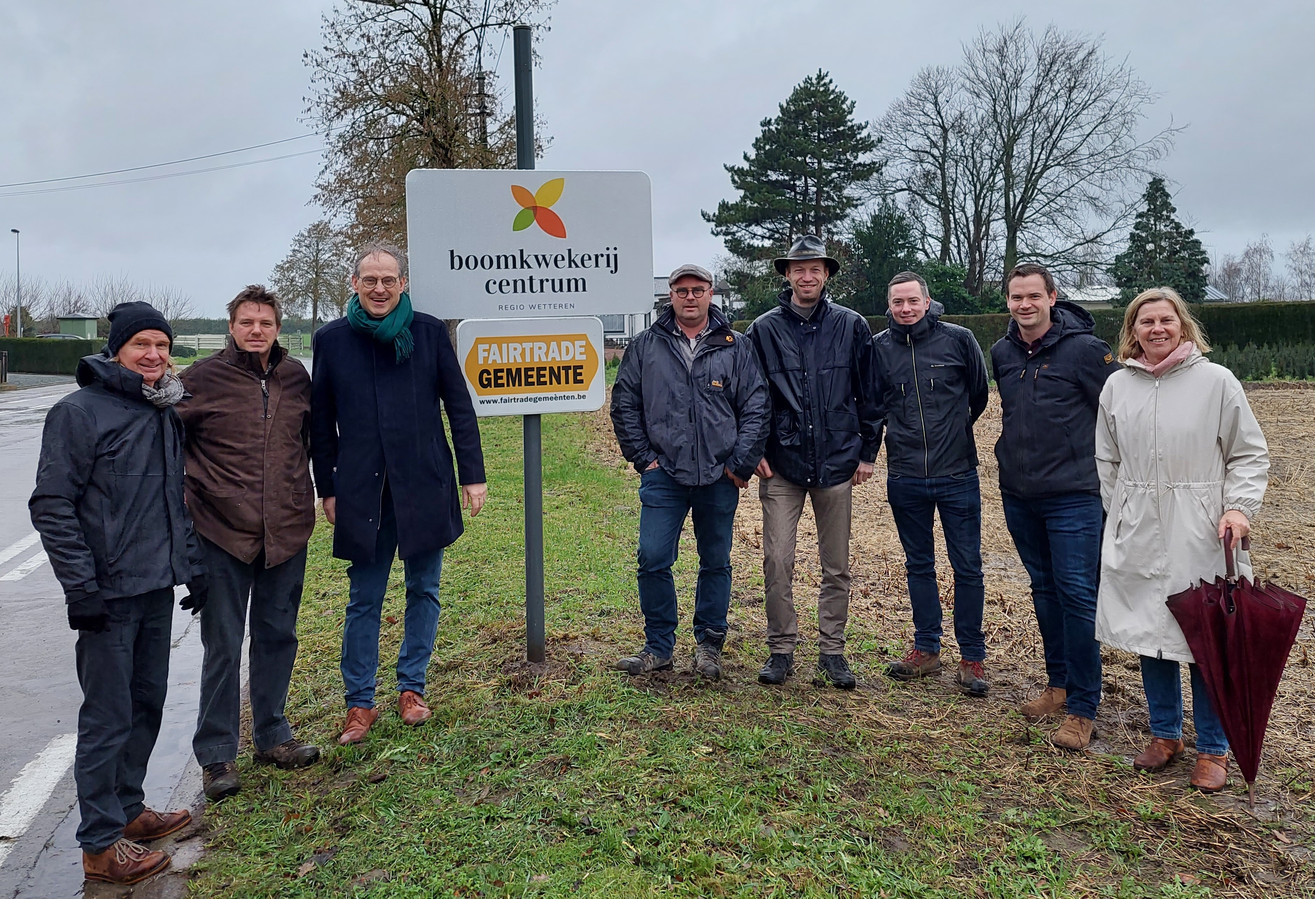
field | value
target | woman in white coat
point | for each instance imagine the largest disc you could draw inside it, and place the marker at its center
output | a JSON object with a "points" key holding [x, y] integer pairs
{"points": [[1181, 459]]}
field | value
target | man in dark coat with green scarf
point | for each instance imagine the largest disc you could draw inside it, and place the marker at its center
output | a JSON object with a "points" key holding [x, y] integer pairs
{"points": [[385, 472]]}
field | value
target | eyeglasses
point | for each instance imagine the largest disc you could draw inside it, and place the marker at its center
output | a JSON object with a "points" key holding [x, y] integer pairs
{"points": [[370, 281], [694, 292]]}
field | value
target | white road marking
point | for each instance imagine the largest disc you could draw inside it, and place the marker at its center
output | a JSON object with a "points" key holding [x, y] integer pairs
{"points": [[26, 568], [28, 792], [10, 551]]}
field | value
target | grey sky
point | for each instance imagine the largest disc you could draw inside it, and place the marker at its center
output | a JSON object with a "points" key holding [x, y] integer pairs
{"points": [[676, 89]]}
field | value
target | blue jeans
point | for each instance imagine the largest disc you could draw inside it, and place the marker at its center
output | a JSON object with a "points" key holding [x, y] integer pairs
{"points": [[1058, 541], [663, 507], [1162, 681], [958, 499], [360, 634]]}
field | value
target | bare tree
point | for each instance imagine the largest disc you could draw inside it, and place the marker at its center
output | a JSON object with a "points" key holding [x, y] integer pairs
{"points": [[399, 85], [1256, 281], [1301, 268], [315, 273], [1225, 276], [170, 302], [1064, 120], [107, 292]]}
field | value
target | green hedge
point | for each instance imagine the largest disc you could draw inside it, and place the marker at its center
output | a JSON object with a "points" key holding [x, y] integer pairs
{"points": [[47, 357]]}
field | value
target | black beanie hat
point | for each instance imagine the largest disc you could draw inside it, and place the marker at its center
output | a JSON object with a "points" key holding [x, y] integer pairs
{"points": [[126, 319]]}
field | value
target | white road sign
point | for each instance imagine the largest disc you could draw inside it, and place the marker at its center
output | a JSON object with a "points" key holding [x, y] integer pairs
{"points": [[501, 244]]}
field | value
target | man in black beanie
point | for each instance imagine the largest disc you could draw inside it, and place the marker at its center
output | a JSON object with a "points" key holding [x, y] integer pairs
{"points": [[108, 504]]}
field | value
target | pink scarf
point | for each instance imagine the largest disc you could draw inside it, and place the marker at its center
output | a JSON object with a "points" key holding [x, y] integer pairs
{"points": [[1181, 352]]}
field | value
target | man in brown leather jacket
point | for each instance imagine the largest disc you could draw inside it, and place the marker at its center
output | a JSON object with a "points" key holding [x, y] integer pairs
{"points": [[248, 489]]}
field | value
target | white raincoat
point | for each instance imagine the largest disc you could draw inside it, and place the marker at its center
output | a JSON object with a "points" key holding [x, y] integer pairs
{"points": [[1174, 453]]}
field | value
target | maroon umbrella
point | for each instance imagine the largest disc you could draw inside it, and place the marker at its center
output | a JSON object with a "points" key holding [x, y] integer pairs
{"points": [[1240, 634]]}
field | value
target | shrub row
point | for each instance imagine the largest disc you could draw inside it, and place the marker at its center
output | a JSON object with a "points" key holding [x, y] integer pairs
{"points": [[47, 357], [1258, 363]]}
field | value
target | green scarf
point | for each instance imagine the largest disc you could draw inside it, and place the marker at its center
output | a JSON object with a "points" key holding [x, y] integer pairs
{"points": [[394, 328]]}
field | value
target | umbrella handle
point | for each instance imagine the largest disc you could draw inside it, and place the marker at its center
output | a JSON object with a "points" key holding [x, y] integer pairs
{"points": [[1230, 553]]}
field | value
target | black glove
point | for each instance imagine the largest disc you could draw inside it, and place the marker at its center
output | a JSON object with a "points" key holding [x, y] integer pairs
{"points": [[88, 613], [198, 591]]}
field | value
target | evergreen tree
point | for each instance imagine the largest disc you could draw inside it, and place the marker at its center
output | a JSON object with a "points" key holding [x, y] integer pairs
{"points": [[802, 176], [1161, 252], [882, 245]]}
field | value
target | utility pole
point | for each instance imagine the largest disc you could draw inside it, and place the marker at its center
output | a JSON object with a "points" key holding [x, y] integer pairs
{"points": [[18, 280]]}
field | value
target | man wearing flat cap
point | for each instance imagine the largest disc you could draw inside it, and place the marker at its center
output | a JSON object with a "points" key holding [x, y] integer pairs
{"points": [[825, 431], [690, 412]]}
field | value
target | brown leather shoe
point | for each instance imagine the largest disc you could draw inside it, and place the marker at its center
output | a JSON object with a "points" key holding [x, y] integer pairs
{"points": [[359, 721], [125, 862], [151, 825], [1158, 755], [1075, 733], [413, 709], [1050, 702], [1211, 772]]}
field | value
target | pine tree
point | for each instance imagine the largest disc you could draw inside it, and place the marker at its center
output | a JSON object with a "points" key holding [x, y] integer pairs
{"points": [[1161, 252], [802, 177], [882, 246]]}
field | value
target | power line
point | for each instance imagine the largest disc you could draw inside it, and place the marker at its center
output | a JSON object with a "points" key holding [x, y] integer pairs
{"points": [[215, 168], [157, 165]]}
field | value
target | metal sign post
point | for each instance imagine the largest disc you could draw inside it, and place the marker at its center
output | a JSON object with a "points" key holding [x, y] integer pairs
{"points": [[533, 435]]}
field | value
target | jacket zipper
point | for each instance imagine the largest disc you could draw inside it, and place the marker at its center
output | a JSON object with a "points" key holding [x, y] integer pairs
{"points": [[922, 421]]}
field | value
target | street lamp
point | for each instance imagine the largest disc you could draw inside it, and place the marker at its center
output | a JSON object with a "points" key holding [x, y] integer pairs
{"points": [[18, 281]]}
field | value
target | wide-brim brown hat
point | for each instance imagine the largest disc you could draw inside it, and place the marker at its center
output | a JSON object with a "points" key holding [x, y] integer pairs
{"points": [[809, 246]]}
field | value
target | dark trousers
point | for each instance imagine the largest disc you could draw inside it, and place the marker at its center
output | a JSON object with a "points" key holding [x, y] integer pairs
{"points": [[1058, 541], [913, 503], [275, 597], [124, 675], [664, 505]]}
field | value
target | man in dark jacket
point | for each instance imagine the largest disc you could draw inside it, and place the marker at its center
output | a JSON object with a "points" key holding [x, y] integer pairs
{"points": [[247, 422], [382, 375], [690, 412], [931, 376], [108, 504], [1050, 369], [817, 358]]}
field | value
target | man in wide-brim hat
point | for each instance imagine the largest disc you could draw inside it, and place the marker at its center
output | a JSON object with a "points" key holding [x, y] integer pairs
{"points": [[817, 358]]}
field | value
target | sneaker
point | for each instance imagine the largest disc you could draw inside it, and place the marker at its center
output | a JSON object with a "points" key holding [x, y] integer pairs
{"points": [[643, 662], [780, 665], [707, 661], [220, 780], [1052, 701], [1075, 733], [832, 668], [288, 754], [915, 665], [972, 678]]}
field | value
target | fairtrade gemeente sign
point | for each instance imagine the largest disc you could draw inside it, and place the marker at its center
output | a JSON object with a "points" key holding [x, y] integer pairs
{"points": [[496, 243], [529, 366]]}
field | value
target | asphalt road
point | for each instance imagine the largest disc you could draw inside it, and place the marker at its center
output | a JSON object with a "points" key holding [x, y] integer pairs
{"points": [[39, 695]]}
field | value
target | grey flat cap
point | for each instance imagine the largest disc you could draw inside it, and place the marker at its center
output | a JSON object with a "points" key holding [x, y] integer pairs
{"points": [[690, 268]]}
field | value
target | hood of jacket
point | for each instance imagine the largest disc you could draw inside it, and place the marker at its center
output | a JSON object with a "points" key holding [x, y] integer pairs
{"points": [[917, 330], [118, 378]]}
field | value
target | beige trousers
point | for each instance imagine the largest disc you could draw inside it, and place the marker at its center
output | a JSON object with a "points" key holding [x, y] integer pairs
{"points": [[783, 503]]}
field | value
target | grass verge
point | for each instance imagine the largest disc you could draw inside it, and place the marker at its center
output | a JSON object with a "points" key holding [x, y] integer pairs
{"points": [[570, 779]]}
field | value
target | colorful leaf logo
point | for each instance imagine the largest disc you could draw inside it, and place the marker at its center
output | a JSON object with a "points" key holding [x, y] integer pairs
{"points": [[534, 208]]}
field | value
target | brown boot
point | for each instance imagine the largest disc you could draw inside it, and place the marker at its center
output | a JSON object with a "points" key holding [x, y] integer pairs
{"points": [[1075, 733], [1050, 702], [125, 862], [412, 707], [359, 721], [151, 825], [1158, 755], [1211, 772]]}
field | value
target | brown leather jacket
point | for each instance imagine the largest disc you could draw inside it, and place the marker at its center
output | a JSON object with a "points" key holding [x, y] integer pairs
{"points": [[246, 451]]}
